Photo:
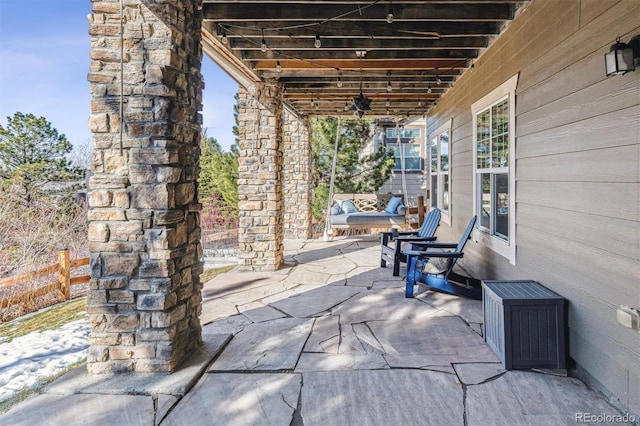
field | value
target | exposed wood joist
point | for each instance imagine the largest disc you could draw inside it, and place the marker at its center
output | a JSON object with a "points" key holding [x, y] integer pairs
{"points": [[322, 52], [311, 11]]}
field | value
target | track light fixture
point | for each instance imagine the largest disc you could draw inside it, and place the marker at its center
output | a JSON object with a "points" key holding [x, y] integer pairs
{"points": [[388, 103], [390, 13], [278, 66], [429, 88], [389, 87], [317, 43], [438, 81], [339, 82]]}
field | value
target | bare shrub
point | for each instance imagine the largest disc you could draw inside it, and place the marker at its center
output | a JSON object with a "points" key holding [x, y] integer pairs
{"points": [[30, 237], [219, 225]]}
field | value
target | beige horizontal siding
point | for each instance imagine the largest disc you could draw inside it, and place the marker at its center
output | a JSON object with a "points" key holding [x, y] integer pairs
{"points": [[577, 171]]}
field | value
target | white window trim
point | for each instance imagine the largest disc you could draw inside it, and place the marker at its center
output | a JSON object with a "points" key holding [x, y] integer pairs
{"points": [[506, 89], [446, 127]]}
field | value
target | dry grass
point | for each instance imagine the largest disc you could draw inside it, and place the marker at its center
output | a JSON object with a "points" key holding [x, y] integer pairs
{"points": [[57, 316], [211, 273], [53, 318], [48, 319]]}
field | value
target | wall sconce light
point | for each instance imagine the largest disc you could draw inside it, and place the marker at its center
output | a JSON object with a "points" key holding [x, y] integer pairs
{"points": [[621, 57]]}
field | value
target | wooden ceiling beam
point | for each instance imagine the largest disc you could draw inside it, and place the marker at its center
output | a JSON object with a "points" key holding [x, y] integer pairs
{"points": [[283, 12], [351, 44], [324, 75], [333, 55], [382, 64], [358, 29], [396, 86], [429, 44], [374, 96]]}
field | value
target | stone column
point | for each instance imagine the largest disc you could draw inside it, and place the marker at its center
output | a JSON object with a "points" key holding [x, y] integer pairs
{"points": [[297, 176], [260, 177], [144, 299]]}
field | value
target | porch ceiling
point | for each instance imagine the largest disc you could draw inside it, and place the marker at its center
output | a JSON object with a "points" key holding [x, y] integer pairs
{"points": [[420, 54]]}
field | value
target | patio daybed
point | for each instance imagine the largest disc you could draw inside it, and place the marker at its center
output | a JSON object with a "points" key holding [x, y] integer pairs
{"points": [[360, 211]]}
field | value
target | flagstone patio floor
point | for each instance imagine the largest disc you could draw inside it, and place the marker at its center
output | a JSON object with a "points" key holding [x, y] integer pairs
{"points": [[329, 339]]}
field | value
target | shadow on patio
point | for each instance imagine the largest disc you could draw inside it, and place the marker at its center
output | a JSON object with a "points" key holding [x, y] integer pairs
{"points": [[333, 340], [330, 340]]}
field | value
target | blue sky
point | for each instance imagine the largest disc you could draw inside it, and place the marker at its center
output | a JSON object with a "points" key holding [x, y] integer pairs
{"points": [[44, 61]]}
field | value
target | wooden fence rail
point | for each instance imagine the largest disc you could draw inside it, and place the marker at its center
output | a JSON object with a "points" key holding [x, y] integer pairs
{"points": [[62, 285]]}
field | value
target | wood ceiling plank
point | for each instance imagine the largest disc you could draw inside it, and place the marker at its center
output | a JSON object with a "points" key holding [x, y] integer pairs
{"points": [[262, 12]]}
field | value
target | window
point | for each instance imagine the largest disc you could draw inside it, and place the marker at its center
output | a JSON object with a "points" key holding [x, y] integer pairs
{"points": [[411, 154], [408, 133], [405, 143], [494, 177], [440, 191]]}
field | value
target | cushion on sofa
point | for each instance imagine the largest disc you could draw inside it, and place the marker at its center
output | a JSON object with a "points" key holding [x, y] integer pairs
{"points": [[394, 203], [347, 206]]}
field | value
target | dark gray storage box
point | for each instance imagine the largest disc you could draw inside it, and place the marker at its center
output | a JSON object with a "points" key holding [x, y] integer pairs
{"points": [[524, 324]]}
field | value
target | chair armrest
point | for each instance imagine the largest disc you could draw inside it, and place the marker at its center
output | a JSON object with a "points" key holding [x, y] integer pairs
{"points": [[436, 245], [416, 239], [396, 233], [427, 254], [406, 233]]}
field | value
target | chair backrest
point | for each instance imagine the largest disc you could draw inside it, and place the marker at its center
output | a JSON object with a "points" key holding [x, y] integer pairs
{"points": [[466, 235], [430, 224]]}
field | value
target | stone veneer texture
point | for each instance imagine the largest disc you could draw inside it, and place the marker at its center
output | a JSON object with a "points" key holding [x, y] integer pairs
{"points": [[144, 299], [260, 176], [297, 177]]}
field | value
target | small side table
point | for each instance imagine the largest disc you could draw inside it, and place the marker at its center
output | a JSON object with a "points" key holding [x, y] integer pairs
{"points": [[524, 324]]}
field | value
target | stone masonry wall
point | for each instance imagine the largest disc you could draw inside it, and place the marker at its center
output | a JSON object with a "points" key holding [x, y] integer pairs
{"points": [[260, 177], [144, 298], [297, 177]]}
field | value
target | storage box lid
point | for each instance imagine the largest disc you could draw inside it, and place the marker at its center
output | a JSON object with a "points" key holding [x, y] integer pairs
{"points": [[522, 291]]}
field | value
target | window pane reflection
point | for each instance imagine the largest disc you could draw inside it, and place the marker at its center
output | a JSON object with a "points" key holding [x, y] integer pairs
{"points": [[434, 190], [434, 154], [485, 200], [502, 205], [445, 193], [444, 151]]}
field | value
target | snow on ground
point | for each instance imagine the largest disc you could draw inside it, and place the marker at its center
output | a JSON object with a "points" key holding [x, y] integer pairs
{"points": [[41, 354]]}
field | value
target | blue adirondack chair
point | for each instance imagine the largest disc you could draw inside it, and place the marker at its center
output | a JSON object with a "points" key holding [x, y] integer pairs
{"points": [[393, 253], [433, 264]]}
